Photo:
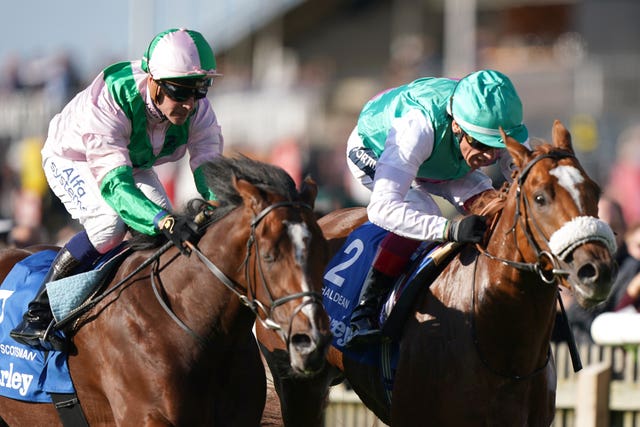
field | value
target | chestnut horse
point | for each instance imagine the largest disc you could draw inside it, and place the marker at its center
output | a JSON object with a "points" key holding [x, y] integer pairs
{"points": [[475, 349], [187, 357]]}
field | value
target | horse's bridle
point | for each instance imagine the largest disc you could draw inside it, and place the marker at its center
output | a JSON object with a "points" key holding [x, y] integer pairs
{"points": [[547, 276], [247, 295], [558, 249], [247, 299]]}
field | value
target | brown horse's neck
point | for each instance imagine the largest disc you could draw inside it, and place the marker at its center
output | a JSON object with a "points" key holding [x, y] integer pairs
{"points": [[514, 310], [207, 302]]}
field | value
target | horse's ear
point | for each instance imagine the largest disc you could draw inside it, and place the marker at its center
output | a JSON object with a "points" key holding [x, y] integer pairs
{"points": [[561, 136], [519, 152], [309, 191], [249, 193]]}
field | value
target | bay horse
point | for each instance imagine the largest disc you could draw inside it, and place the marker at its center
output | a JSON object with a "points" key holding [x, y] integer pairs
{"points": [[188, 357], [475, 349]]}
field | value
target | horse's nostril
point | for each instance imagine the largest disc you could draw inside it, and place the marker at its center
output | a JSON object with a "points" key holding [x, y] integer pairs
{"points": [[301, 341], [587, 271]]}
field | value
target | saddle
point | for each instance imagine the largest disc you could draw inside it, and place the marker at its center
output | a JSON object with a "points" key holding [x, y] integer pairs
{"points": [[346, 272], [427, 263], [69, 296]]}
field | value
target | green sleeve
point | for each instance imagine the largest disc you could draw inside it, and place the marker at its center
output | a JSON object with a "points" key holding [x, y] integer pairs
{"points": [[121, 193], [201, 185]]}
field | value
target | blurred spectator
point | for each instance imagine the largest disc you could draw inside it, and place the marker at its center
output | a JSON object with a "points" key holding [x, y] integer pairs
{"points": [[22, 236], [11, 73], [631, 296], [29, 192], [610, 212], [61, 81], [629, 270], [326, 165], [624, 179]]}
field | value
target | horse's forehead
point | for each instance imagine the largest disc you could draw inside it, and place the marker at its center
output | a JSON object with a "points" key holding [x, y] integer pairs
{"points": [[570, 178], [296, 229], [299, 236], [298, 232]]}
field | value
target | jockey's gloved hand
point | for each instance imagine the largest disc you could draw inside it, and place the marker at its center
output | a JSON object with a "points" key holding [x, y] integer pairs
{"points": [[180, 230], [469, 229]]}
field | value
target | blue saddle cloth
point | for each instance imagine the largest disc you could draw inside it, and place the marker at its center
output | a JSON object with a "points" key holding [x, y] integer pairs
{"points": [[26, 373], [343, 280]]}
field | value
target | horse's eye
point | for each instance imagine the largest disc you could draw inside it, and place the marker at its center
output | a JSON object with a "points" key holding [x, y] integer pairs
{"points": [[268, 257], [540, 199]]}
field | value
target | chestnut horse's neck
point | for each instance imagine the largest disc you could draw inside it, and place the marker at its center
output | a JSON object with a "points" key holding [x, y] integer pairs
{"points": [[206, 288], [515, 289]]}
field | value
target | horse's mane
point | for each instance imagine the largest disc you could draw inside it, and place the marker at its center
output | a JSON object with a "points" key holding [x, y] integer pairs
{"points": [[490, 203], [219, 175], [267, 178]]}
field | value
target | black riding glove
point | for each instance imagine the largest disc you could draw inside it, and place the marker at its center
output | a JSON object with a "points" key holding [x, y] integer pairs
{"points": [[180, 230], [469, 229]]}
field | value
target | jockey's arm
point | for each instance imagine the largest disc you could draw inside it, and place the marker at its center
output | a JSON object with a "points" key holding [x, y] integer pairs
{"points": [[408, 145], [121, 193]]}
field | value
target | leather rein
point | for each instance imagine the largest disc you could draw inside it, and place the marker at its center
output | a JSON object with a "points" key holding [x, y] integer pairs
{"points": [[547, 276], [247, 296]]}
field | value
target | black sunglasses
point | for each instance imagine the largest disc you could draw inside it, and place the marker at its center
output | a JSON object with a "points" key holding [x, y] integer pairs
{"points": [[182, 93], [474, 143]]}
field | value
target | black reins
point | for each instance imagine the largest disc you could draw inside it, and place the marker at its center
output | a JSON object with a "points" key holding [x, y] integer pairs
{"points": [[547, 276], [245, 295], [248, 295]]}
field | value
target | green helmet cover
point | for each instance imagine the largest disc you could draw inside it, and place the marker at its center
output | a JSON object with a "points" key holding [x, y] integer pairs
{"points": [[484, 101]]}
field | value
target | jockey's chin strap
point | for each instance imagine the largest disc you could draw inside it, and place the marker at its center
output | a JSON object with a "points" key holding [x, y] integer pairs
{"points": [[263, 313]]}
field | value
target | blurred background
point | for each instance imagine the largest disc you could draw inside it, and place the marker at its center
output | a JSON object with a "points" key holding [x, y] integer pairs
{"points": [[297, 73]]}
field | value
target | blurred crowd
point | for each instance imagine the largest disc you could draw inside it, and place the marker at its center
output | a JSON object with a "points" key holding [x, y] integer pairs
{"points": [[29, 214], [54, 75]]}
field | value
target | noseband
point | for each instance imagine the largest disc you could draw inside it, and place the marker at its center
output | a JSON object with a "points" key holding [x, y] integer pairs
{"points": [[247, 295], [578, 231]]}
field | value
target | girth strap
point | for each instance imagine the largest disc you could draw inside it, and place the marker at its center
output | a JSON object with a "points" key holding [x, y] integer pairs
{"points": [[69, 409]]}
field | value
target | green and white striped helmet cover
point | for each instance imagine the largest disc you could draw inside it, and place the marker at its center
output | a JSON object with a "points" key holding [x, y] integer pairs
{"points": [[179, 53]]}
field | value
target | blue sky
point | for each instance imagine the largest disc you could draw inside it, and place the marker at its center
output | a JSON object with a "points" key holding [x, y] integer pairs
{"points": [[91, 31], [99, 33]]}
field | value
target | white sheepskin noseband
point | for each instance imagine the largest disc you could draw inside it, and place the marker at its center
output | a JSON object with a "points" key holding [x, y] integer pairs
{"points": [[578, 231]]}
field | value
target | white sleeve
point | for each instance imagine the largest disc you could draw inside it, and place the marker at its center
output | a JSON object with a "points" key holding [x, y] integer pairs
{"points": [[458, 191], [389, 209], [205, 136], [409, 144]]}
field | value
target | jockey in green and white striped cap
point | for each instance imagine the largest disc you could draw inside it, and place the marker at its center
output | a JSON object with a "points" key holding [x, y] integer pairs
{"points": [[179, 53], [484, 101]]}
